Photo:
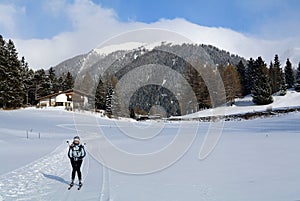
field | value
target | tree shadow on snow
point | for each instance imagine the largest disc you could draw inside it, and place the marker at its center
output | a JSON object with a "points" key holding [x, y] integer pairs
{"points": [[56, 178]]}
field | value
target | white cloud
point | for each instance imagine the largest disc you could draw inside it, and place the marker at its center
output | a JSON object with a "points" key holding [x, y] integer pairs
{"points": [[7, 14], [9, 17], [85, 14], [93, 24], [232, 41]]}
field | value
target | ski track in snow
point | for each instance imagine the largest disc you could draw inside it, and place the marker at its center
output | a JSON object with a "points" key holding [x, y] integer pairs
{"points": [[42, 179]]}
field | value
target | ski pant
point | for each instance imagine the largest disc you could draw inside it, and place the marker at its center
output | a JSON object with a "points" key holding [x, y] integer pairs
{"points": [[76, 168]]}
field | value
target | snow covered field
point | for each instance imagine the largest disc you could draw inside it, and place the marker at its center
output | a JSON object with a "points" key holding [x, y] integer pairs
{"points": [[254, 160], [245, 105]]}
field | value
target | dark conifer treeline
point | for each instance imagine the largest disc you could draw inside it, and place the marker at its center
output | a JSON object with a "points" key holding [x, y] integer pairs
{"points": [[20, 85]]}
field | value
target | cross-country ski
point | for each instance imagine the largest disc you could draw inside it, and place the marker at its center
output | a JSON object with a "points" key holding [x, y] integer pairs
{"points": [[70, 186], [79, 186]]}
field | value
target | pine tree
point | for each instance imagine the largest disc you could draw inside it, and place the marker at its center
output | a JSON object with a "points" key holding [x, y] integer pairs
{"points": [[51, 73], [250, 76], [46, 85], [289, 74], [27, 81], [283, 89], [68, 82], [272, 75], [297, 85], [15, 87], [199, 87], [54, 86], [261, 92], [241, 69], [132, 113], [277, 77], [14, 76], [100, 96], [41, 83], [298, 74], [30, 86], [60, 82], [108, 97], [3, 73], [117, 108]]}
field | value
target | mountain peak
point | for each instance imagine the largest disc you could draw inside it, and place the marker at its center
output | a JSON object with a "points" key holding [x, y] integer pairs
{"points": [[108, 49]]}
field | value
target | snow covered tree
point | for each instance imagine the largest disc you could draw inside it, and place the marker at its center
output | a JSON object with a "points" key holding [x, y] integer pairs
{"points": [[42, 84], [289, 74], [27, 81], [30, 88], [261, 91], [277, 77], [14, 76], [117, 105], [14, 79], [283, 89], [3, 73], [108, 97]]}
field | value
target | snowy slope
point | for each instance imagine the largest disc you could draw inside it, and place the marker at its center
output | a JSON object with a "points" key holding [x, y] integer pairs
{"points": [[124, 46], [245, 105], [254, 160], [130, 46]]}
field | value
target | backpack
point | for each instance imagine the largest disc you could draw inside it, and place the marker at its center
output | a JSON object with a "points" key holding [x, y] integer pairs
{"points": [[76, 152]]}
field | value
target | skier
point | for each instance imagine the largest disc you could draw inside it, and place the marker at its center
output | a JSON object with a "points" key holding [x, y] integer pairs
{"points": [[76, 154]]}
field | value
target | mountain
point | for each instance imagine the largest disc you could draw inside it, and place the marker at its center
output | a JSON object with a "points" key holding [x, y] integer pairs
{"points": [[149, 77], [72, 65], [110, 53]]}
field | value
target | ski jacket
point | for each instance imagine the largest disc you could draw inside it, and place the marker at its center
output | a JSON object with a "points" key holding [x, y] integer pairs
{"points": [[76, 152]]}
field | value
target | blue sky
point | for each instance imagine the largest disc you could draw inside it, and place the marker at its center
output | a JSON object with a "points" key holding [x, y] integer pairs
{"points": [[237, 15], [249, 17], [246, 16], [41, 27]]}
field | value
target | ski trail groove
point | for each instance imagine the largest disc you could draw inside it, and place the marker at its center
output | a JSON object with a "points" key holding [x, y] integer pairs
{"points": [[31, 182]]}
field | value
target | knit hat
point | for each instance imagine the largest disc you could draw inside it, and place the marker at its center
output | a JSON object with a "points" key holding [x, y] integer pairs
{"points": [[76, 138]]}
